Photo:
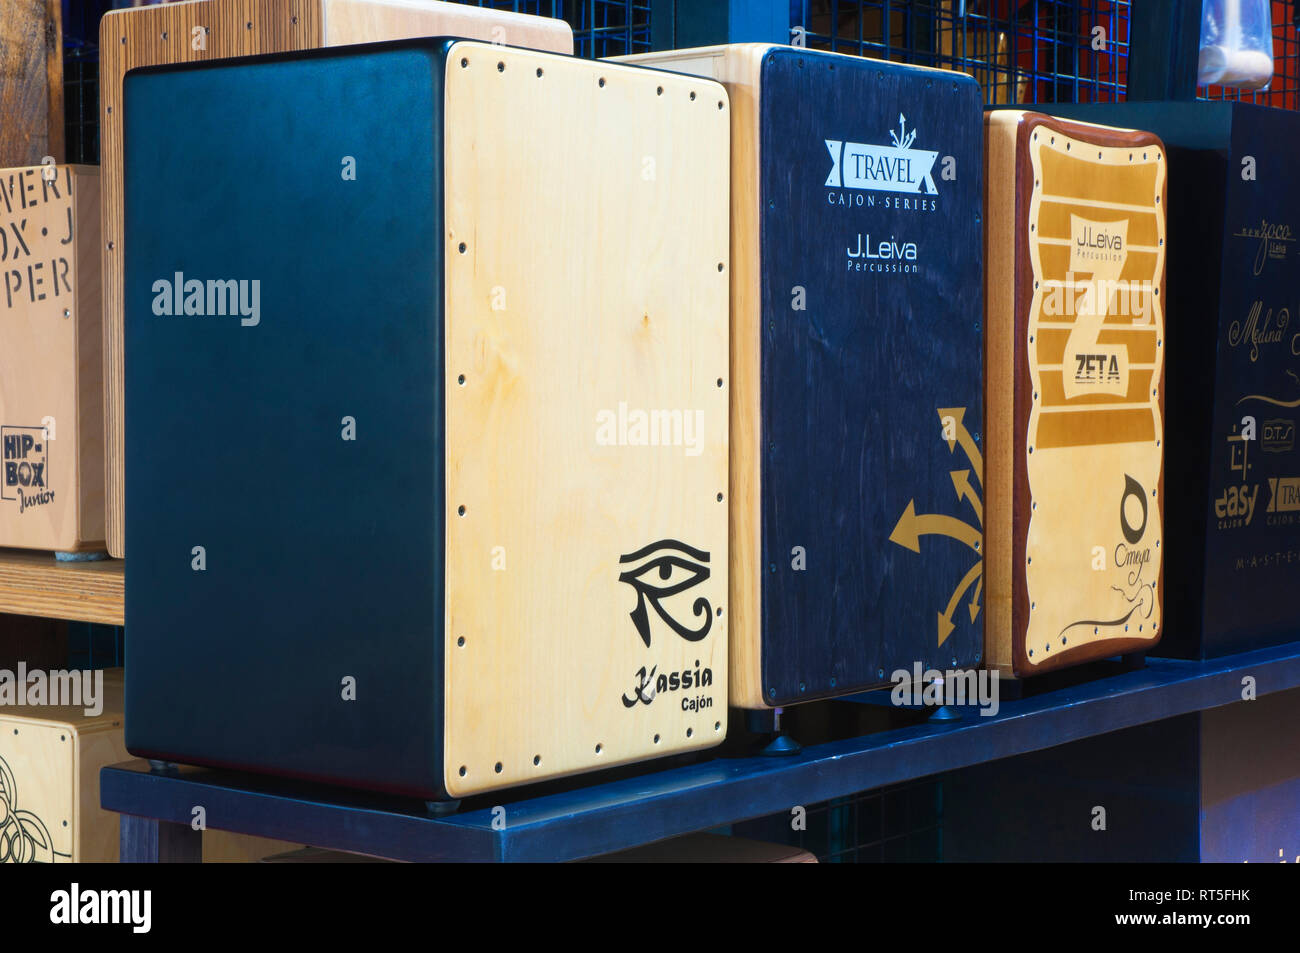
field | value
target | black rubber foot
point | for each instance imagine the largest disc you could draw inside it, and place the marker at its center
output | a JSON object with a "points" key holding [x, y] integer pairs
{"points": [[163, 767], [781, 745], [945, 713], [442, 808]]}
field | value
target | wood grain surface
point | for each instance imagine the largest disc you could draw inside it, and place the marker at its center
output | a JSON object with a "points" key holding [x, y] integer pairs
{"points": [[35, 584], [31, 81], [586, 570]]}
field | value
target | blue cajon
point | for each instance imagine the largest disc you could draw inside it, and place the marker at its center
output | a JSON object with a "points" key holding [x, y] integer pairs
{"points": [[857, 410]]}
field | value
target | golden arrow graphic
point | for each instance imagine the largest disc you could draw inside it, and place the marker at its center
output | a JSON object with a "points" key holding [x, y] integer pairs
{"points": [[975, 599], [911, 528], [964, 438], [945, 618], [961, 483]]}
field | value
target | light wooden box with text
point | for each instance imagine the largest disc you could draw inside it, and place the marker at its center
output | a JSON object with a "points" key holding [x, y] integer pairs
{"points": [[51, 360], [1075, 391]]}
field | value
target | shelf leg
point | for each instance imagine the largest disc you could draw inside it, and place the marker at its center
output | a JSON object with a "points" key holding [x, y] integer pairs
{"points": [[146, 840]]}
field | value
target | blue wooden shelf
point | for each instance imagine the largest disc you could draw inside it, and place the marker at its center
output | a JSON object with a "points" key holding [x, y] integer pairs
{"points": [[616, 815]]}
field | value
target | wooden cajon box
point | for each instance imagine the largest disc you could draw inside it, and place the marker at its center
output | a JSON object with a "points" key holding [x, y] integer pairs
{"points": [[1233, 393], [469, 529], [198, 30], [51, 368], [856, 301], [1075, 354], [50, 758]]}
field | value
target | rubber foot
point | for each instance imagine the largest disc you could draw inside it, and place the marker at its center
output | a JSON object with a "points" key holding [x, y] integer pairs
{"points": [[80, 557], [781, 745]]}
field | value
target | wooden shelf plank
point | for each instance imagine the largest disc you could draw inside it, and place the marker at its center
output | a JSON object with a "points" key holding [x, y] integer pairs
{"points": [[33, 583]]}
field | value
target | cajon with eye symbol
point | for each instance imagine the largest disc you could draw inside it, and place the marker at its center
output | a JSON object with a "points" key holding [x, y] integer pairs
{"points": [[444, 501], [1076, 325], [857, 410]]}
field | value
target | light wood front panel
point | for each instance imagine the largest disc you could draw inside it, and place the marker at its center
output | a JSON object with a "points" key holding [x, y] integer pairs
{"points": [[214, 29], [51, 380], [586, 258], [50, 758], [1078, 424], [737, 67]]}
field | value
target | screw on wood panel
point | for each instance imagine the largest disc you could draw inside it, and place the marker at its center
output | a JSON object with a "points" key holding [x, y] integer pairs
{"points": [[659, 91], [656, 739], [460, 642], [539, 72], [537, 759], [690, 732], [462, 770], [692, 95], [602, 82], [501, 66], [460, 510], [498, 767], [599, 748], [464, 63]]}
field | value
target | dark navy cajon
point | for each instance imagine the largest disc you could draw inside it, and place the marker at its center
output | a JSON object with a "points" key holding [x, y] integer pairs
{"points": [[857, 409], [1233, 392], [426, 395]]}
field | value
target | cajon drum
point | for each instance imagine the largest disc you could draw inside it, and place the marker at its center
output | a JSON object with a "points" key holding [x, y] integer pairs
{"points": [[856, 301], [446, 497], [1233, 397], [198, 30], [1075, 354], [51, 369], [50, 758]]}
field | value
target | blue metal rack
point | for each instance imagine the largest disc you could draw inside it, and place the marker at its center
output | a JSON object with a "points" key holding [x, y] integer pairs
{"points": [[605, 817]]}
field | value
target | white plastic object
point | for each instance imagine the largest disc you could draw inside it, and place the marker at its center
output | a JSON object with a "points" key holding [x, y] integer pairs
{"points": [[1236, 44]]}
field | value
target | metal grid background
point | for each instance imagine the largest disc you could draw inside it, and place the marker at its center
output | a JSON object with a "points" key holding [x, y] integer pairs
{"points": [[1020, 51], [1284, 91], [600, 27]]}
